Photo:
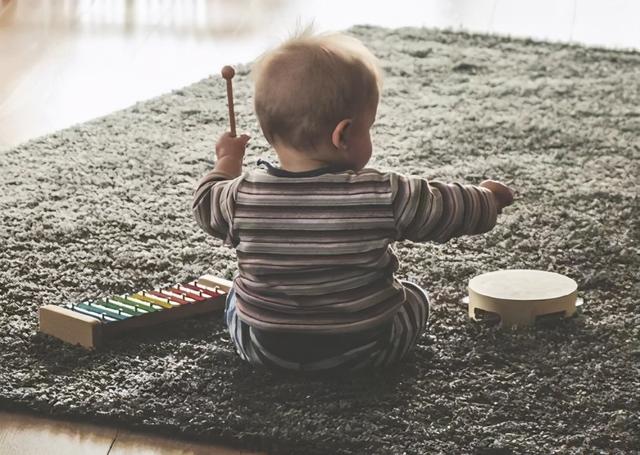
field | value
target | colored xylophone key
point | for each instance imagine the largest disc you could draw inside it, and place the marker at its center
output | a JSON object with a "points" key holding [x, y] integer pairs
{"points": [[200, 291], [185, 293], [203, 291], [164, 303], [119, 307], [172, 298], [100, 310], [87, 312], [206, 283], [146, 307]]}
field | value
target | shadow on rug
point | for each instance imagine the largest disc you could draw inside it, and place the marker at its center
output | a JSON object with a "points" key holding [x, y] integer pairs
{"points": [[104, 207]]}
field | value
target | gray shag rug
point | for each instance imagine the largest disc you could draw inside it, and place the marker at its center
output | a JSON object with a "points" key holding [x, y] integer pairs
{"points": [[104, 207]]}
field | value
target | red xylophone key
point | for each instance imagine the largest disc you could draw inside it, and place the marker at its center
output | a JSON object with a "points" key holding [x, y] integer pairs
{"points": [[191, 295]]}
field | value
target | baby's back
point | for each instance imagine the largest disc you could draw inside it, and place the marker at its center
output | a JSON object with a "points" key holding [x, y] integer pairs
{"points": [[313, 250]]}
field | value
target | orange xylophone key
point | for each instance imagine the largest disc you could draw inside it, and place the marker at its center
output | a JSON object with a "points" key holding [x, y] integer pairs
{"points": [[170, 297]]}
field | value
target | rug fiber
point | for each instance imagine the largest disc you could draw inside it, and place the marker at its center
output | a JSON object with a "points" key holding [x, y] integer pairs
{"points": [[104, 207]]}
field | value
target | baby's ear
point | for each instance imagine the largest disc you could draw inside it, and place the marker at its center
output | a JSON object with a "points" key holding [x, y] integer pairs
{"points": [[339, 135]]}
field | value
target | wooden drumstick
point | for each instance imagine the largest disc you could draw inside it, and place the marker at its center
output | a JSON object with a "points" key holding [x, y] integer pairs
{"points": [[228, 73]]}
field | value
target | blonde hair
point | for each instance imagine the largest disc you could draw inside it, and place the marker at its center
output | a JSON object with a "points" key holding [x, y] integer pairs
{"points": [[308, 84]]}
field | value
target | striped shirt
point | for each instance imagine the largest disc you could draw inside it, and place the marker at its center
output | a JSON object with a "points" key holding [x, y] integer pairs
{"points": [[313, 248]]}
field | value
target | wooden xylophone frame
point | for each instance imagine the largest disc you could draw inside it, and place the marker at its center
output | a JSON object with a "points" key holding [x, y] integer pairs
{"points": [[73, 324]]}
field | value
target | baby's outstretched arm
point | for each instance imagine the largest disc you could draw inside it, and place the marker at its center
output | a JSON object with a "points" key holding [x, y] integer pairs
{"points": [[212, 199], [436, 211]]}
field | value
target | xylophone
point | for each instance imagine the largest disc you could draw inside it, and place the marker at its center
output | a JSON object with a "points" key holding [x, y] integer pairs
{"points": [[90, 324]]}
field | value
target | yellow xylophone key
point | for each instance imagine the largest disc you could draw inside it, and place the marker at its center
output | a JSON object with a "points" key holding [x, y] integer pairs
{"points": [[154, 300]]}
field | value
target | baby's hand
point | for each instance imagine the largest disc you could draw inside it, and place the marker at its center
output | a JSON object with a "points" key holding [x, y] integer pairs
{"points": [[231, 147], [502, 193], [230, 151]]}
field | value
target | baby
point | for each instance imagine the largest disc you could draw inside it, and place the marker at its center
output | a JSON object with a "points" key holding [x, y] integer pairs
{"points": [[315, 289]]}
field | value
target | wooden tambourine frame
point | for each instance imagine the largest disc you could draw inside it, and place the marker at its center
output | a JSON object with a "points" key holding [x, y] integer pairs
{"points": [[519, 297]]}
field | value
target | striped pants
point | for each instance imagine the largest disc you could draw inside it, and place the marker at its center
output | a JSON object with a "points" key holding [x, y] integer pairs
{"points": [[378, 348]]}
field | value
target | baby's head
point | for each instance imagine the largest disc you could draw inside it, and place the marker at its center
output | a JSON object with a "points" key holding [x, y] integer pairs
{"points": [[316, 98]]}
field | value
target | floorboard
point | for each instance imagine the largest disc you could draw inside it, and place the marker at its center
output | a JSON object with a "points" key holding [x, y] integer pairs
{"points": [[25, 434], [68, 62], [128, 443], [22, 434]]}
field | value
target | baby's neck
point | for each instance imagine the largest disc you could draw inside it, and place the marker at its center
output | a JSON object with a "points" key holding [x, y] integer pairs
{"points": [[296, 161], [310, 165]]}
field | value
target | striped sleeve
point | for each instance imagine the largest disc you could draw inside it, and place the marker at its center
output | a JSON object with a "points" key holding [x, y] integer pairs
{"points": [[438, 211], [213, 204]]}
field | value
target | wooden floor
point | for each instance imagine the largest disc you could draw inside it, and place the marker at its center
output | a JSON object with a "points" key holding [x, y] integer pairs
{"points": [[67, 61], [22, 434]]}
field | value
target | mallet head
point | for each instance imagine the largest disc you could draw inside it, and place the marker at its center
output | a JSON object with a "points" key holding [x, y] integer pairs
{"points": [[228, 72]]}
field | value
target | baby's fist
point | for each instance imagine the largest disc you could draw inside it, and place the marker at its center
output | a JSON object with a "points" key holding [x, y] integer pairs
{"points": [[232, 147], [502, 193]]}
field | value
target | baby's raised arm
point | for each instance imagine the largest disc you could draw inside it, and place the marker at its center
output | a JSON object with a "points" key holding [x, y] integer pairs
{"points": [[212, 199], [436, 211]]}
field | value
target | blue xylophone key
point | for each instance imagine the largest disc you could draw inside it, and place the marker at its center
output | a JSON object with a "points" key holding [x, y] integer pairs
{"points": [[83, 310], [101, 310]]}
